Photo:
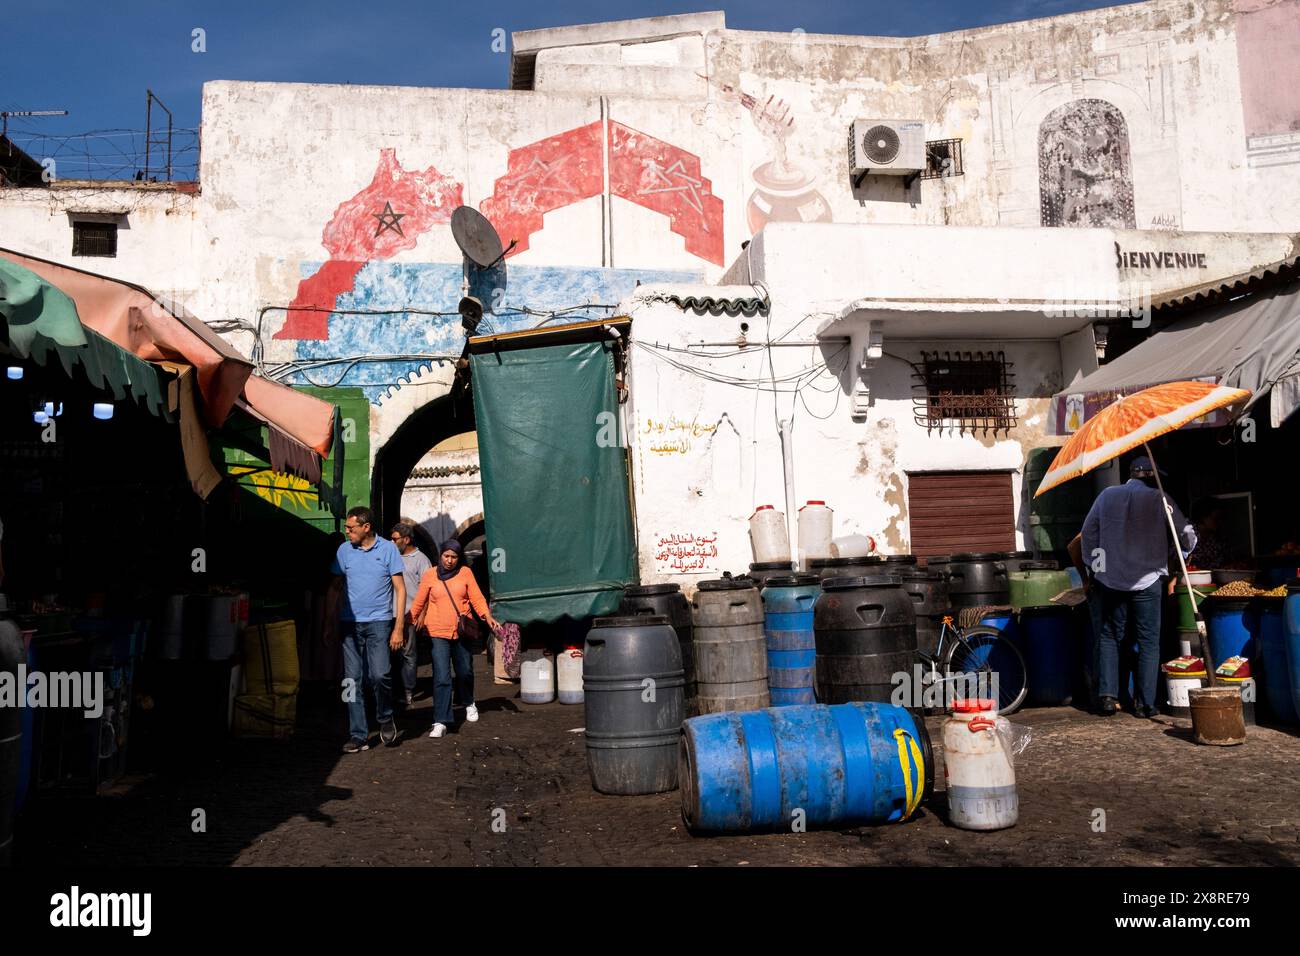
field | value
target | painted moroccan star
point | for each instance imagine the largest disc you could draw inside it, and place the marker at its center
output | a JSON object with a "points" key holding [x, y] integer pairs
{"points": [[548, 171], [389, 220], [689, 186]]}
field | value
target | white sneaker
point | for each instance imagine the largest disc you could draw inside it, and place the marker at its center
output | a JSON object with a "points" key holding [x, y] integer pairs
{"points": [[439, 730], [471, 713]]}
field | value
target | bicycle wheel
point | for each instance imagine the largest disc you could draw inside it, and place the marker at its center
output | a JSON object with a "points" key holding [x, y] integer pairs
{"points": [[980, 655]]}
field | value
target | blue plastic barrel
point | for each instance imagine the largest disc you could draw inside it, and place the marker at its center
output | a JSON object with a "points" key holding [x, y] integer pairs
{"points": [[1047, 643], [1273, 677], [754, 770], [1291, 616], [788, 601], [1231, 626]]}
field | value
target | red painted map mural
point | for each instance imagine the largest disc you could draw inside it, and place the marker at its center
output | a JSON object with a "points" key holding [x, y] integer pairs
{"points": [[399, 206], [566, 168], [383, 219]]}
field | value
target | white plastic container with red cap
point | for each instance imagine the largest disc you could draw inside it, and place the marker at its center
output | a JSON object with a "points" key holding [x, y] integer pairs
{"points": [[978, 767], [815, 525], [568, 666], [767, 535]]}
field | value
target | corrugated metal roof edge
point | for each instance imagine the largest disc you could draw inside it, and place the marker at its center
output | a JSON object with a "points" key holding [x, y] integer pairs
{"points": [[713, 305], [1211, 292]]}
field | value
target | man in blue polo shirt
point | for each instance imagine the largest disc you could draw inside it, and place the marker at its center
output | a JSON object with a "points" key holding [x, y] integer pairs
{"points": [[373, 596]]}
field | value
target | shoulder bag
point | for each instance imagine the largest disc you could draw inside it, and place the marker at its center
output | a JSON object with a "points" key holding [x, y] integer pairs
{"points": [[467, 628]]}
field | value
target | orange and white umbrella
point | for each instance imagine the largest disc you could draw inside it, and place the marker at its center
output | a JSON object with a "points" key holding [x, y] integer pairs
{"points": [[1134, 420]]}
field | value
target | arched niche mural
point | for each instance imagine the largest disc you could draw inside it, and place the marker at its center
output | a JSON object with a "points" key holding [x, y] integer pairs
{"points": [[1085, 175]]}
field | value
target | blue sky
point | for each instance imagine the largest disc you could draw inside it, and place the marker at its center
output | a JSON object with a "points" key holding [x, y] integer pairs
{"points": [[95, 58]]}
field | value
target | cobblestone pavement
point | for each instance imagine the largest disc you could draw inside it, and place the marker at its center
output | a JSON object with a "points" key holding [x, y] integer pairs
{"points": [[1167, 802]]}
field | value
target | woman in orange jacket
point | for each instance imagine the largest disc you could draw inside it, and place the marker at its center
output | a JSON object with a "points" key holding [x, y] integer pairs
{"points": [[447, 591]]}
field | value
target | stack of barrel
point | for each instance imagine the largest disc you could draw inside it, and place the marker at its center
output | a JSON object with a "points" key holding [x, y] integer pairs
{"points": [[1044, 632], [660, 660]]}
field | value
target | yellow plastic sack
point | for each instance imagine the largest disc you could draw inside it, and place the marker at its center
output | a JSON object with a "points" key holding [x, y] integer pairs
{"points": [[265, 715]]}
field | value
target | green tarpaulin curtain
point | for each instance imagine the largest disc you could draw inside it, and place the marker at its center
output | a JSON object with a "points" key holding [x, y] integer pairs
{"points": [[555, 486]]}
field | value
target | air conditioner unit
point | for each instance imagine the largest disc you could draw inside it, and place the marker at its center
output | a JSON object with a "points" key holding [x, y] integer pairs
{"points": [[886, 147]]}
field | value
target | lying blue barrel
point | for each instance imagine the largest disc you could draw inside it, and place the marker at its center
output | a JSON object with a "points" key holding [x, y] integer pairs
{"points": [[754, 770], [1046, 639], [1291, 615], [791, 643], [1274, 677], [1230, 625]]}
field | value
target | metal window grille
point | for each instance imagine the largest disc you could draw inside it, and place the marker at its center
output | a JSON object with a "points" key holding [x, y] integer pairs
{"points": [[969, 391], [94, 239], [943, 159]]}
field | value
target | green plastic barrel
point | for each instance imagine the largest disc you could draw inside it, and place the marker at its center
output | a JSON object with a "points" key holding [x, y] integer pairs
{"points": [[1056, 517], [1036, 583]]}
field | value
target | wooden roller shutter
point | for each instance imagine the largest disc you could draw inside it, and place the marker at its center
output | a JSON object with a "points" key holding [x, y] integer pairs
{"points": [[952, 511]]}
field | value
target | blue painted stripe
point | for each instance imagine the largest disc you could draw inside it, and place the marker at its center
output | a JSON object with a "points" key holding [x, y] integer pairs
{"points": [[791, 696], [855, 751], [800, 658], [790, 640], [764, 770]]}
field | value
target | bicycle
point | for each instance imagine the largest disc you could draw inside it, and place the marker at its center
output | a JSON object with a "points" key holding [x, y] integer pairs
{"points": [[982, 661]]}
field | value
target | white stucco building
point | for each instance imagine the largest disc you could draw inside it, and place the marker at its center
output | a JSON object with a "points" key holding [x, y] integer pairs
{"points": [[674, 170]]}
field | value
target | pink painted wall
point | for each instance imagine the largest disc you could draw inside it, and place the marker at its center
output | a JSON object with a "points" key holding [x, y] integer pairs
{"points": [[1268, 58]]}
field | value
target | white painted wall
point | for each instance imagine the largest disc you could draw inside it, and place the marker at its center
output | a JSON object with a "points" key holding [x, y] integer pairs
{"points": [[156, 235], [278, 159], [444, 504]]}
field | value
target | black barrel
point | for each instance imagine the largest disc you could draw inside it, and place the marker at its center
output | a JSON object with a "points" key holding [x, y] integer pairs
{"points": [[632, 682], [977, 579], [12, 654], [929, 593], [760, 572], [826, 568], [865, 631], [1012, 560], [666, 600], [898, 562]]}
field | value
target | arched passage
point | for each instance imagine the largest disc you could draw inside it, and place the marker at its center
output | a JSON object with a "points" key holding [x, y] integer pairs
{"points": [[428, 425]]}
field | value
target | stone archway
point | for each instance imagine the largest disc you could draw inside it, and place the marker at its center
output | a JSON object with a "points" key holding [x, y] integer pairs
{"points": [[426, 426], [1085, 171]]}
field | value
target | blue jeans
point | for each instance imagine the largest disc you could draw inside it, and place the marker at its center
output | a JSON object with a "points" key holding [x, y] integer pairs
{"points": [[444, 653], [407, 658], [366, 662], [1113, 610]]}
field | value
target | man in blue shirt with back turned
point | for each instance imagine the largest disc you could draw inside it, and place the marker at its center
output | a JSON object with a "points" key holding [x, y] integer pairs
{"points": [[369, 581], [1126, 544]]}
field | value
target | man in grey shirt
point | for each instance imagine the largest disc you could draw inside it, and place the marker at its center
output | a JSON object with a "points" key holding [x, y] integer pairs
{"points": [[414, 564], [1126, 546]]}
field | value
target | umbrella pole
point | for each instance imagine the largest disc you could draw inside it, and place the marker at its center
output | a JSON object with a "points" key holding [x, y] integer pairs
{"points": [[1182, 564]]}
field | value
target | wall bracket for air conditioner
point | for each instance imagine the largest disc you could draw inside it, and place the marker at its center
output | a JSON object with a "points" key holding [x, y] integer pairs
{"points": [[907, 180]]}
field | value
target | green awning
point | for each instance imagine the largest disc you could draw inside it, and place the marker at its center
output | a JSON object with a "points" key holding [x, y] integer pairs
{"points": [[41, 321], [32, 309], [555, 480]]}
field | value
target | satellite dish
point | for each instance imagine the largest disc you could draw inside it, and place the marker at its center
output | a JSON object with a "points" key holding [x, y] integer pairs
{"points": [[477, 238]]}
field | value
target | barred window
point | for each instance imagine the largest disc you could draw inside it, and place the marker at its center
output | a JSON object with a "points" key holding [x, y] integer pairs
{"points": [[942, 159], [94, 238], [966, 390]]}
